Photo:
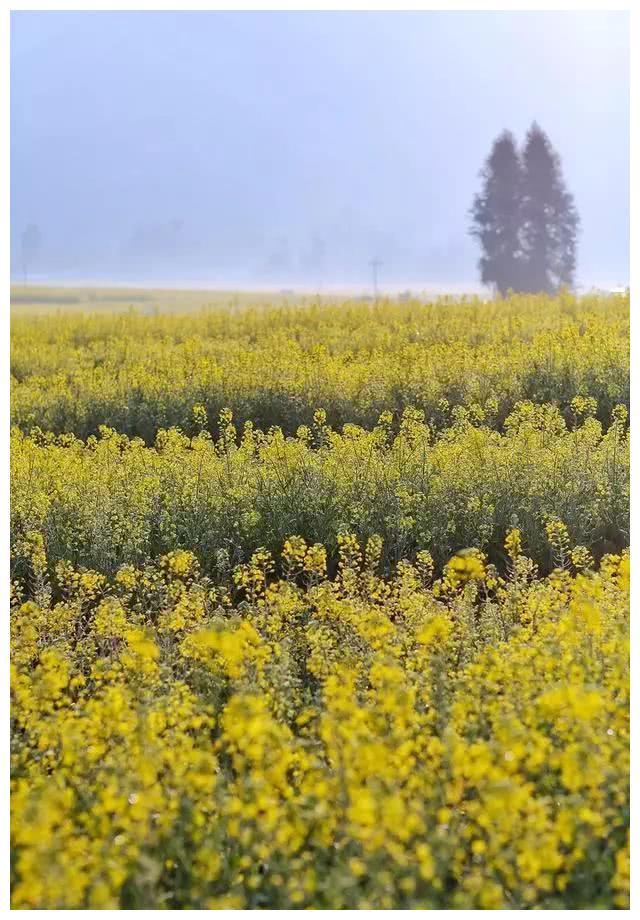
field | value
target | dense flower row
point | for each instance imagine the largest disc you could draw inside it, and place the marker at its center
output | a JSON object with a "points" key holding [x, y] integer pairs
{"points": [[141, 373], [112, 500], [358, 742]]}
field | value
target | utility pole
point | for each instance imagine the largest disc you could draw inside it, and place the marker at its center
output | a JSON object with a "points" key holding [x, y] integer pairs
{"points": [[375, 265]]}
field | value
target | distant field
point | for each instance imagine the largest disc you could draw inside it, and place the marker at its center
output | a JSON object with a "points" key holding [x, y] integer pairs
{"points": [[142, 365], [43, 299]]}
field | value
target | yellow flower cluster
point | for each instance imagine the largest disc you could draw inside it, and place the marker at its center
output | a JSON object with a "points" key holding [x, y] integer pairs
{"points": [[362, 742], [113, 501], [275, 365]]}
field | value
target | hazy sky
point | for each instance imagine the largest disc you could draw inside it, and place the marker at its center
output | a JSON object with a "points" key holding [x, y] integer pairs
{"points": [[290, 147]]}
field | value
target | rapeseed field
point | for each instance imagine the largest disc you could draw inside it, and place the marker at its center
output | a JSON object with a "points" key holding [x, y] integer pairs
{"points": [[322, 607]]}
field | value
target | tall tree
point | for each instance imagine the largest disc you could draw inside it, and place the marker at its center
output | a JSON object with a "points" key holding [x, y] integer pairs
{"points": [[495, 216], [549, 218]]}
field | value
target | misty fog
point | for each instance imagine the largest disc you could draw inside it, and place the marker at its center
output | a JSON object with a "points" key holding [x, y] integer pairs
{"points": [[232, 149]]}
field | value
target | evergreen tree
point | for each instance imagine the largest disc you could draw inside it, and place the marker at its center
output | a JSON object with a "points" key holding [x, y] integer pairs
{"points": [[496, 218], [549, 218]]}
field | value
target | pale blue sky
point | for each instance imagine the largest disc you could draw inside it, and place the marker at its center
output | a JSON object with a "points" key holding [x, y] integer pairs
{"points": [[230, 147]]}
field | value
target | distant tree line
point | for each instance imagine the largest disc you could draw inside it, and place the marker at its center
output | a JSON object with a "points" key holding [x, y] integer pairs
{"points": [[30, 243], [524, 218]]}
